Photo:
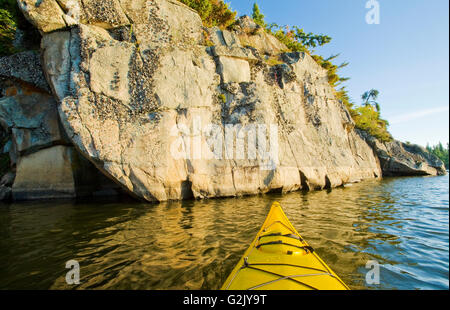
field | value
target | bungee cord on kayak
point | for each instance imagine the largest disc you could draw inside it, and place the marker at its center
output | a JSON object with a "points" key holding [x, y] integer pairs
{"points": [[277, 257]]}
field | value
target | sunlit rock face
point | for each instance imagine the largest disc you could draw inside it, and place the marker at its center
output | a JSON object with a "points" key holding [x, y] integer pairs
{"points": [[171, 110], [402, 159]]}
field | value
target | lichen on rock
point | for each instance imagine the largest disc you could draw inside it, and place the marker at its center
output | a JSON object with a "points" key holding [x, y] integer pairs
{"points": [[148, 102]]}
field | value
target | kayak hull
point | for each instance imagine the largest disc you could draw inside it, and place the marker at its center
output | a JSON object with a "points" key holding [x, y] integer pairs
{"points": [[280, 259]]}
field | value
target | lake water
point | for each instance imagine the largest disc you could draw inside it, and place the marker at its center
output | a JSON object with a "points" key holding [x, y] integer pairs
{"points": [[403, 223]]}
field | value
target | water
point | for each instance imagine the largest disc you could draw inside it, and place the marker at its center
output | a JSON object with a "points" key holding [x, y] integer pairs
{"points": [[403, 223]]}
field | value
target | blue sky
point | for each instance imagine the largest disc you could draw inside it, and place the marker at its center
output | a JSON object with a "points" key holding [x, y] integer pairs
{"points": [[405, 57]]}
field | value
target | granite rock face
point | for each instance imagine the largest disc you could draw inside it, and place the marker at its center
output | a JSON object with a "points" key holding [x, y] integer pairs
{"points": [[58, 172], [32, 118], [154, 107], [253, 35], [38, 161], [401, 159], [45, 174], [25, 67]]}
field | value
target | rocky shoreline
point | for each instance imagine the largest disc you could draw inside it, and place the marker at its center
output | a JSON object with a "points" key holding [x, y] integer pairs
{"points": [[117, 83]]}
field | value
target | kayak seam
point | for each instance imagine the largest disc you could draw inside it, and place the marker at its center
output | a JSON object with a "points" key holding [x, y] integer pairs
{"points": [[281, 276], [277, 216], [235, 275], [290, 277], [290, 265], [265, 228], [292, 236]]}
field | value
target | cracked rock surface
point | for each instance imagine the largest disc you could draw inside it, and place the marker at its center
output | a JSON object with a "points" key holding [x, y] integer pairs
{"points": [[142, 96]]}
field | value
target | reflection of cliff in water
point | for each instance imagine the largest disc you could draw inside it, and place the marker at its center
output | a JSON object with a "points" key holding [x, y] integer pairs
{"points": [[401, 223]]}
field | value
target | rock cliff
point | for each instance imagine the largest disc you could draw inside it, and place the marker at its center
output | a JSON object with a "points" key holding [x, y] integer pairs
{"points": [[402, 159], [44, 164], [171, 110]]}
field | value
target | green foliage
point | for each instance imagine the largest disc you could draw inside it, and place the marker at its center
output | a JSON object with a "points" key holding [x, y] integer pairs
{"points": [[257, 16], [10, 6], [310, 40], [333, 78], [222, 98], [342, 96], [368, 119], [203, 7], [286, 36], [12, 19], [15, 15], [296, 39], [213, 12], [440, 152], [370, 97], [273, 61], [7, 33]]}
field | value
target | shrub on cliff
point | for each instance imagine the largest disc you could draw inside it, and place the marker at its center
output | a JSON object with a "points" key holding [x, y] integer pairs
{"points": [[212, 12], [12, 20], [295, 39], [333, 78], [368, 119], [7, 33], [257, 16], [343, 96], [9, 19]]}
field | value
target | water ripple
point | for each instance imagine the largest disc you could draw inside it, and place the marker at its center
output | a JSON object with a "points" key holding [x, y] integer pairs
{"points": [[400, 222]]}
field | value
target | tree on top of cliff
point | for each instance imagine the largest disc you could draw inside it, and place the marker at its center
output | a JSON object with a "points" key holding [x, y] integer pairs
{"points": [[370, 98], [257, 16], [296, 39], [332, 70], [367, 117], [212, 12]]}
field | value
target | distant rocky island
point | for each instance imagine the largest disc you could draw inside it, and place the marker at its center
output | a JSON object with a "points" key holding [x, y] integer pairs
{"points": [[97, 110]]}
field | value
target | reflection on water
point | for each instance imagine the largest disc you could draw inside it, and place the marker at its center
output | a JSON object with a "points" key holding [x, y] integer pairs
{"points": [[402, 223]]}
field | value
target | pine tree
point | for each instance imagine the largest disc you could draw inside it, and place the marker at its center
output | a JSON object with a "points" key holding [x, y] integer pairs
{"points": [[7, 32], [440, 151], [371, 94], [257, 16]]}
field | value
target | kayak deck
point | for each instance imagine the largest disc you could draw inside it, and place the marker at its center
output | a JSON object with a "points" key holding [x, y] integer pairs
{"points": [[279, 259]]}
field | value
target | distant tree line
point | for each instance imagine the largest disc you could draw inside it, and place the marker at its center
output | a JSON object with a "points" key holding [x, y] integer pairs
{"points": [[440, 151]]}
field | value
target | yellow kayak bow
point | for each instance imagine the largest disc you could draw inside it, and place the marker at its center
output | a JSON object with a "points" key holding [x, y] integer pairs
{"points": [[279, 259]]}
